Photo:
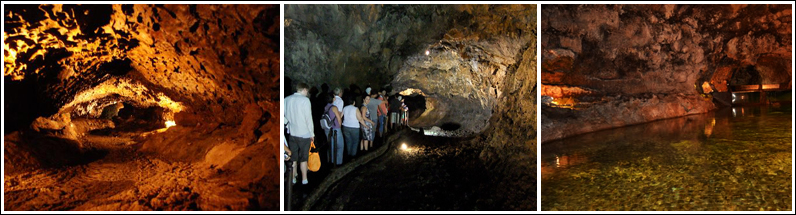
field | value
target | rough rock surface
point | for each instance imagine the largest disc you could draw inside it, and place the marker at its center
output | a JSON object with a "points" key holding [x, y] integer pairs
{"points": [[474, 64], [471, 52], [212, 69], [664, 50]]}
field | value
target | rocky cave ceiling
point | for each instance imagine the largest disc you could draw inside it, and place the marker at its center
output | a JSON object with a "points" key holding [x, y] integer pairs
{"points": [[214, 69], [618, 65], [634, 49], [468, 60]]}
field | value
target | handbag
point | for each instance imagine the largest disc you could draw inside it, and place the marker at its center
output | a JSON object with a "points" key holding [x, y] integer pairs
{"points": [[314, 160]]}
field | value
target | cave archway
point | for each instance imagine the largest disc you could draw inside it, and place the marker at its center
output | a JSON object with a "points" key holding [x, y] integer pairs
{"points": [[134, 96]]}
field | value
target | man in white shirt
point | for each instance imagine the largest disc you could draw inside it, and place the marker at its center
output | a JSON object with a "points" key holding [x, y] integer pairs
{"points": [[338, 101], [299, 118]]}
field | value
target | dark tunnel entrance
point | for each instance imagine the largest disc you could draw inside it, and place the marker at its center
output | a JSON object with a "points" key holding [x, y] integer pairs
{"points": [[132, 119], [416, 105]]}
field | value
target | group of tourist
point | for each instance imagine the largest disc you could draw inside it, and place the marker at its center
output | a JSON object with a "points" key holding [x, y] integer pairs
{"points": [[353, 120]]}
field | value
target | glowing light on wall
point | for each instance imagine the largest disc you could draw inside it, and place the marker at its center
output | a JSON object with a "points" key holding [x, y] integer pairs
{"points": [[170, 123], [706, 87], [411, 91]]}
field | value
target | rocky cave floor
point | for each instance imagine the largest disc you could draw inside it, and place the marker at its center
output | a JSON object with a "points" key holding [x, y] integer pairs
{"points": [[434, 173], [106, 170]]}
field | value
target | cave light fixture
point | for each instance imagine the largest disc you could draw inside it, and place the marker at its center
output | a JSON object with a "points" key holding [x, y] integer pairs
{"points": [[170, 123], [411, 91], [404, 147], [427, 52]]}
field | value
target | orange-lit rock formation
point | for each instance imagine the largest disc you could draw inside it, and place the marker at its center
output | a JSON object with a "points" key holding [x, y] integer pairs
{"points": [[199, 84]]}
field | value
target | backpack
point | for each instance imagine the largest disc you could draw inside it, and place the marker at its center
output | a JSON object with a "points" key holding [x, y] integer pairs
{"points": [[326, 120]]}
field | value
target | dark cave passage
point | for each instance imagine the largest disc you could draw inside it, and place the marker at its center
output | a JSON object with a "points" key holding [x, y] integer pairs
{"points": [[466, 74]]}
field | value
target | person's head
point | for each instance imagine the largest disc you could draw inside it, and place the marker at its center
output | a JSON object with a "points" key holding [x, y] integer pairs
{"points": [[302, 88], [374, 95], [367, 90], [383, 92], [366, 100], [329, 98], [324, 88], [400, 98], [351, 100], [338, 91]]}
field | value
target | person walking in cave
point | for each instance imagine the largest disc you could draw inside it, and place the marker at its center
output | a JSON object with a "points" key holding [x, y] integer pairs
{"points": [[395, 110], [369, 130], [373, 106], [382, 111], [404, 113], [335, 132], [338, 99], [352, 121], [298, 116]]}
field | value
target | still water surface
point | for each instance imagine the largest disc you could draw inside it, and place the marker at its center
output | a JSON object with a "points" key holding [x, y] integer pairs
{"points": [[733, 159]]}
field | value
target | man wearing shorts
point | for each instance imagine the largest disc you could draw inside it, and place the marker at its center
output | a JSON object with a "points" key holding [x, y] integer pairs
{"points": [[299, 121], [395, 110]]}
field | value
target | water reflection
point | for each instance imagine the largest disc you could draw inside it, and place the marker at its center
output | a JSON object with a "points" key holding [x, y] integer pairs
{"points": [[731, 159]]}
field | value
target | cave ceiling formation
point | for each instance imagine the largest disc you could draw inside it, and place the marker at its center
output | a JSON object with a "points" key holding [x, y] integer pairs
{"points": [[638, 63], [469, 61], [212, 69]]}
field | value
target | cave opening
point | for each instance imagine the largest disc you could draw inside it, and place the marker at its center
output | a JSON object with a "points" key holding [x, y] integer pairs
{"points": [[132, 119], [416, 104]]}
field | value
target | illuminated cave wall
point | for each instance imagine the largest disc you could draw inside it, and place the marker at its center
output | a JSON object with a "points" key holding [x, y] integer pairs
{"points": [[638, 63], [213, 69], [209, 58]]}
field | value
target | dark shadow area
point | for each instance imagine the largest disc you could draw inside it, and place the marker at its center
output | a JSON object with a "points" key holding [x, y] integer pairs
{"points": [[450, 126], [42, 151], [416, 104]]}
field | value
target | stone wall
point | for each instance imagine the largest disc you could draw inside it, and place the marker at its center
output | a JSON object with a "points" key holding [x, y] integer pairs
{"points": [[628, 57]]}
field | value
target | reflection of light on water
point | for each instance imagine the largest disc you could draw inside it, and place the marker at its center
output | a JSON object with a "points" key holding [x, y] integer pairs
{"points": [[709, 128], [558, 163]]}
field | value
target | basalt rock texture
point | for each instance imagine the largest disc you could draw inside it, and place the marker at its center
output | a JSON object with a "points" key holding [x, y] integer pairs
{"points": [[213, 70], [593, 54], [475, 65], [460, 57]]}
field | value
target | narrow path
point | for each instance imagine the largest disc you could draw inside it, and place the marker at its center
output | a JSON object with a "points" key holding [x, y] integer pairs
{"points": [[432, 173]]}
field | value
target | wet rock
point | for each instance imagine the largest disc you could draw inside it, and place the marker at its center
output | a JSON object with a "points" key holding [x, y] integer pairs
{"points": [[666, 50]]}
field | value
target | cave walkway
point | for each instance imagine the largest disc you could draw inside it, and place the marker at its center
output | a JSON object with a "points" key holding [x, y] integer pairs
{"points": [[430, 173]]}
